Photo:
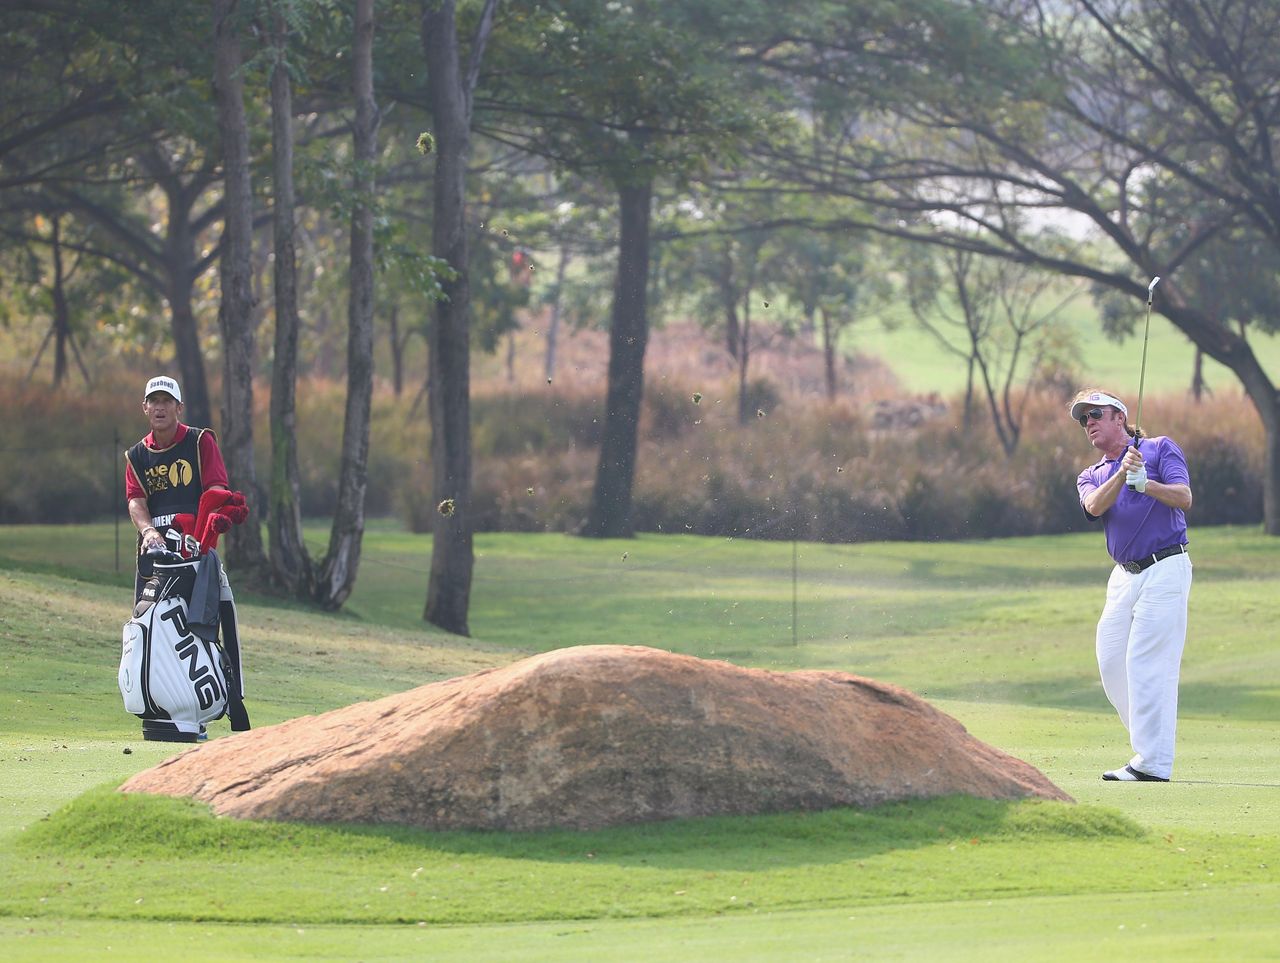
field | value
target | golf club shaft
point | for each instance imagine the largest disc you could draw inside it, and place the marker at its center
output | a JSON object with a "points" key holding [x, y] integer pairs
{"points": [[1142, 373]]}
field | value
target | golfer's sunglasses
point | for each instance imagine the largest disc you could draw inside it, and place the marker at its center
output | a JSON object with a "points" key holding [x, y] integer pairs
{"points": [[1094, 413]]}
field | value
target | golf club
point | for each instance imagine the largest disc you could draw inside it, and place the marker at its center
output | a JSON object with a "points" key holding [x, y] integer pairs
{"points": [[1142, 375]]}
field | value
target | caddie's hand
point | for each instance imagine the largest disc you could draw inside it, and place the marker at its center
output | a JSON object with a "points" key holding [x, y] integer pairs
{"points": [[1137, 480], [152, 540]]}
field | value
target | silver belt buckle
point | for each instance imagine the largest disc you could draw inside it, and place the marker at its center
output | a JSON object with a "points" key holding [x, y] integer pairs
{"points": [[1133, 568]]}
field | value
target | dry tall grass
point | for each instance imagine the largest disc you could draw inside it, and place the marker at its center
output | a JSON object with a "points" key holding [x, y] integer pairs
{"points": [[803, 466]]}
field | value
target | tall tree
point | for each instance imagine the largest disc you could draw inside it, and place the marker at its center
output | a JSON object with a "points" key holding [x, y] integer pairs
{"points": [[336, 575], [96, 114], [610, 512], [994, 316], [835, 280], [452, 93], [61, 327], [290, 562], [1154, 123], [628, 95], [235, 313]]}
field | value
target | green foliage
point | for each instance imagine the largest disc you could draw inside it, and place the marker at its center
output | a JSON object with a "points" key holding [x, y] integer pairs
{"points": [[407, 265], [641, 90]]}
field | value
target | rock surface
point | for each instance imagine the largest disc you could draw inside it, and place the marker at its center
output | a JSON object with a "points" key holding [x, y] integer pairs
{"points": [[598, 736]]}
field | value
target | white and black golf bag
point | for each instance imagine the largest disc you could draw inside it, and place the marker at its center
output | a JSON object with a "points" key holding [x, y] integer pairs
{"points": [[180, 663]]}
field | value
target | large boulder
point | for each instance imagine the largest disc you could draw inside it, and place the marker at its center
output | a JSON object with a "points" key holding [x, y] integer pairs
{"points": [[598, 736]]}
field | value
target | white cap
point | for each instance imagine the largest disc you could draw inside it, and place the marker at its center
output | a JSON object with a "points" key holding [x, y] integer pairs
{"points": [[161, 383], [1082, 405]]}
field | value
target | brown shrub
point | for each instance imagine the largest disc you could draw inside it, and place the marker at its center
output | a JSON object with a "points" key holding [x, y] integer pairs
{"points": [[807, 468]]}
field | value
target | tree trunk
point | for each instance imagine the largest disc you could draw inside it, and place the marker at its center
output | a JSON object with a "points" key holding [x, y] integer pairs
{"points": [[1271, 471], [449, 339], [967, 420], [180, 259], [397, 350], [828, 351], [290, 563], [744, 362], [186, 343], [1266, 400], [61, 312], [1197, 377], [235, 313], [338, 570], [729, 295], [610, 514], [553, 327], [167, 263]]}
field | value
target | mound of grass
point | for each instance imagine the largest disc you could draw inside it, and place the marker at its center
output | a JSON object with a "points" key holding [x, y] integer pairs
{"points": [[111, 855], [106, 823]]}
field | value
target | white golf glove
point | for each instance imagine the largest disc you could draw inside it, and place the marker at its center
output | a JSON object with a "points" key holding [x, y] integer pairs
{"points": [[1137, 480]]}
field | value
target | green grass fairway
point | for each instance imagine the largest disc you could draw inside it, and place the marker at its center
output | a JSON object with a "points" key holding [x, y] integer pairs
{"points": [[997, 633], [923, 365], [1221, 924]]}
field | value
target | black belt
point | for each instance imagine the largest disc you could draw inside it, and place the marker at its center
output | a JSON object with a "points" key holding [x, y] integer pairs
{"points": [[1142, 564]]}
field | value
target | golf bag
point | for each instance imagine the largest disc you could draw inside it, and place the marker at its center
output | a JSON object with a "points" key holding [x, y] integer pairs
{"points": [[180, 662]]}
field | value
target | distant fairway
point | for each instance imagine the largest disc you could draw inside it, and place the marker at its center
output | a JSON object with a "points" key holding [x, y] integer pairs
{"points": [[923, 366], [997, 633]]}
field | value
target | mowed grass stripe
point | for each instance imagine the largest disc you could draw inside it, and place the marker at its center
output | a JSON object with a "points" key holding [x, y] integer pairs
{"points": [[1231, 923]]}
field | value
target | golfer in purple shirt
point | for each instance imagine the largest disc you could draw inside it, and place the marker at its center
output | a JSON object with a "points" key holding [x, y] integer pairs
{"points": [[1140, 490]]}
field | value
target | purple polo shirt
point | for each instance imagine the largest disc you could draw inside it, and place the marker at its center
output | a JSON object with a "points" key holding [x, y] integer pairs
{"points": [[1137, 525]]}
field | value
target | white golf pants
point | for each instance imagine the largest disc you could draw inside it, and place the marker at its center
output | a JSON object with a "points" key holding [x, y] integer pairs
{"points": [[1140, 639]]}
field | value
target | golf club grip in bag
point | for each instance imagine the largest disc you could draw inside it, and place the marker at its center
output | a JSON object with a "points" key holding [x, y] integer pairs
{"points": [[172, 676]]}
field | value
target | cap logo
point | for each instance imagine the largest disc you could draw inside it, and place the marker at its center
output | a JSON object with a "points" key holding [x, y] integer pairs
{"points": [[162, 383], [1097, 398]]}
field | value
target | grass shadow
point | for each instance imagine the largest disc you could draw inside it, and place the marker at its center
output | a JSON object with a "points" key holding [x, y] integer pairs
{"points": [[106, 823]]}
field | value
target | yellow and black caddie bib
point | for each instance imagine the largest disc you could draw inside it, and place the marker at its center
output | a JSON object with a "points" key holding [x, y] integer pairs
{"points": [[170, 477]]}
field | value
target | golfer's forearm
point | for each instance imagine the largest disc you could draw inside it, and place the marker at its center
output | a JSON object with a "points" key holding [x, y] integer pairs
{"points": [[1104, 496], [1175, 496]]}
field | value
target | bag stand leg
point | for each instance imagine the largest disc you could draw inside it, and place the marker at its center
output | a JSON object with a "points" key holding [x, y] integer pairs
{"points": [[229, 622]]}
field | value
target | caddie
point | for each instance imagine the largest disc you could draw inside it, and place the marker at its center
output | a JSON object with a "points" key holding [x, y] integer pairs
{"points": [[167, 471], [1140, 490]]}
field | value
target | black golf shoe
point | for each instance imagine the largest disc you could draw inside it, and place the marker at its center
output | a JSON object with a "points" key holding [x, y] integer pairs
{"points": [[1129, 774]]}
